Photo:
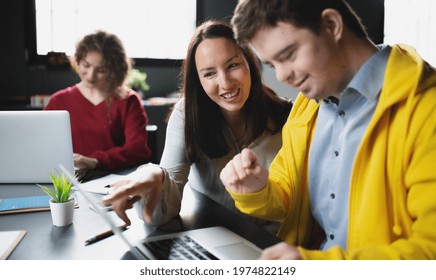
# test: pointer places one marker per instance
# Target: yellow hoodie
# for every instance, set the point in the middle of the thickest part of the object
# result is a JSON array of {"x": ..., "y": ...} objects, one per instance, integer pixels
[{"x": 392, "y": 209}]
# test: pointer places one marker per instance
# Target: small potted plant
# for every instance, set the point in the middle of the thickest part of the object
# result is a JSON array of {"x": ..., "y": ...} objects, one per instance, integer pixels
[
  {"x": 62, "y": 202},
  {"x": 137, "y": 81}
]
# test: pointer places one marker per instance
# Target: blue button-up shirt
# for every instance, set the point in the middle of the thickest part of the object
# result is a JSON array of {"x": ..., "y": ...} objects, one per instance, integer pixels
[{"x": 339, "y": 131}]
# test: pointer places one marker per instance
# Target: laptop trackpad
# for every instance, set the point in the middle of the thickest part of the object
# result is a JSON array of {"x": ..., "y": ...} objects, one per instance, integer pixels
[{"x": 238, "y": 251}]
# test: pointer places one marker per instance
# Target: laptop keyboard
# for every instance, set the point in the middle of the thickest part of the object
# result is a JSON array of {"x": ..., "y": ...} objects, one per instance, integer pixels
[{"x": 179, "y": 248}]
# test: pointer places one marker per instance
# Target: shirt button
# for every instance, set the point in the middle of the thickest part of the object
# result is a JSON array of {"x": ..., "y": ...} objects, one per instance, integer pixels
[
  {"x": 332, "y": 236},
  {"x": 336, "y": 153},
  {"x": 332, "y": 195},
  {"x": 341, "y": 113}
]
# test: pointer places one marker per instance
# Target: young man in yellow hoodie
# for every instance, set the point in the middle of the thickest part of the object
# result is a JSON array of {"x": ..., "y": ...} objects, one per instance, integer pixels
[{"x": 356, "y": 177}]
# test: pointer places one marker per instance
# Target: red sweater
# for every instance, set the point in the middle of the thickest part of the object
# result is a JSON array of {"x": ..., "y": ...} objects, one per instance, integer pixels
[{"x": 113, "y": 133}]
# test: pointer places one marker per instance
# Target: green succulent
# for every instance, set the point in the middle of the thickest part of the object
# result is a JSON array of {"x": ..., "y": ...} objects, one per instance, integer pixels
[{"x": 62, "y": 188}]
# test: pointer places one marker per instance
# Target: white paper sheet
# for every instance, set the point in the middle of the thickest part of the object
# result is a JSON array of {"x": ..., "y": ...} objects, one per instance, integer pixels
[{"x": 102, "y": 185}]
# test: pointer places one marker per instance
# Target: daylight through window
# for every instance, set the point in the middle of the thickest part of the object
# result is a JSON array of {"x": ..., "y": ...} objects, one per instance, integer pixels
[
  {"x": 412, "y": 22},
  {"x": 149, "y": 29}
]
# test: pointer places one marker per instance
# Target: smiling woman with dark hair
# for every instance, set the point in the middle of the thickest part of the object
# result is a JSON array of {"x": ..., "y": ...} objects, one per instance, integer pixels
[{"x": 224, "y": 108}]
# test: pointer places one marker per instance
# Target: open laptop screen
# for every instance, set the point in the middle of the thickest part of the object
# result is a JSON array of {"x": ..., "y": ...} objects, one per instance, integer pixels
[
  {"x": 33, "y": 144},
  {"x": 204, "y": 243}
]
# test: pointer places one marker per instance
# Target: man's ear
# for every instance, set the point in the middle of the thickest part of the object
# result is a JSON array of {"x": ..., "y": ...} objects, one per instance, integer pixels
[{"x": 333, "y": 23}]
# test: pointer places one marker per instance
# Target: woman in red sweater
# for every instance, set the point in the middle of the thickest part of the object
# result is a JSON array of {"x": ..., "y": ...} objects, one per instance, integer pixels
[{"x": 107, "y": 118}]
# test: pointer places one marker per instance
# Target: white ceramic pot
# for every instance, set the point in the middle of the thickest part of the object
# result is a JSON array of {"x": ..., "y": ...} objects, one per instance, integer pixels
[{"x": 62, "y": 214}]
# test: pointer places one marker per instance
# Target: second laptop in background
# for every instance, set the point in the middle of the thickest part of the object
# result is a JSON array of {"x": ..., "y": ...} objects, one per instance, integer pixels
[{"x": 33, "y": 144}]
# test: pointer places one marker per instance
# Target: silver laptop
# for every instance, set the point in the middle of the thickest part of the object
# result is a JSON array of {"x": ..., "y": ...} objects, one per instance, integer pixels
[
  {"x": 199, "y": 244},
  {"x": 33, "y": 144}
]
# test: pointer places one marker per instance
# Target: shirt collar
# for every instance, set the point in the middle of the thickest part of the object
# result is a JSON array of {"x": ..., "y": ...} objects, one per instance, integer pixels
[{"x": 369, "y": 79}]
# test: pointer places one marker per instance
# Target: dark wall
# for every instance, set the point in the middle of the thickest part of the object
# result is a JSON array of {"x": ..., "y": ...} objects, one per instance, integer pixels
[
  {"x": 13, "y": 76},
  {"x": 371, "y": 13},
  {"x": 20, "y": 80}
]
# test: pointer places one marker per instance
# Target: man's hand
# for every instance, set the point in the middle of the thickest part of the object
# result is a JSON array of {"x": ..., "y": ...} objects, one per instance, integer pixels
[
  {"x": 147, "y": 185},
  {"x": 281, "y": 251},
  {"x": 243, "y": 174}
]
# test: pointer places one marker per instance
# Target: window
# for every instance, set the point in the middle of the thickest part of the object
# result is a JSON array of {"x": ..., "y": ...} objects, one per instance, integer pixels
[
  {"x": 148, "y": 28},
  {"x": 412, "y": 22}
]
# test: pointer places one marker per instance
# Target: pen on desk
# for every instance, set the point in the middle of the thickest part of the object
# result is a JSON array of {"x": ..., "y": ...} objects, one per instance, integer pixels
[{"x": 103, "y": 235}]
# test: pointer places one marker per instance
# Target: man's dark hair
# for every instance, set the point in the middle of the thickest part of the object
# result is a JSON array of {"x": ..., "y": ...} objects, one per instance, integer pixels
[{"x": 251, "y": 15}]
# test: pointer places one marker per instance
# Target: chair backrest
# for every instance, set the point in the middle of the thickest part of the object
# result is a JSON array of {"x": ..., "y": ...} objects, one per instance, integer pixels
[{"x": 152, "y": 142}]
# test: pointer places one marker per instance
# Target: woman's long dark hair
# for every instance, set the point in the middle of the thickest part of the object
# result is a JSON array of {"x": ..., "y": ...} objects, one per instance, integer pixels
[{"x": 205, "y": 125}]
